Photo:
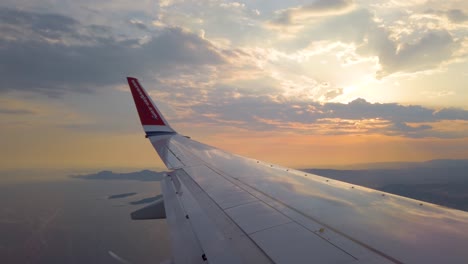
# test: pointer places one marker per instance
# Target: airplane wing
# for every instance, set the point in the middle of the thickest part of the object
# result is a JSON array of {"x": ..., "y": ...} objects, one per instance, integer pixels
[{"x": 225, "y": 208}]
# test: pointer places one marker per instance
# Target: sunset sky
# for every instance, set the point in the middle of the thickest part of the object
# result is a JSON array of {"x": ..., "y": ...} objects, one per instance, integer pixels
[{"x": 298, "y": 83}]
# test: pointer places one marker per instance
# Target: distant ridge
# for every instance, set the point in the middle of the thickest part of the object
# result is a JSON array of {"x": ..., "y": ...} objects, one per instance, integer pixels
[
  {"x": 452, "y": 163},
  {"x": 144, "y": 175},
  {"x": 441, "y": 181},
  {"x": 436, "y": 163}
]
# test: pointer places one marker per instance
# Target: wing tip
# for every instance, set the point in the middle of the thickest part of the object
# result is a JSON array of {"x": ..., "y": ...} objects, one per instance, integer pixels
[{"x": 151, "y": 119}]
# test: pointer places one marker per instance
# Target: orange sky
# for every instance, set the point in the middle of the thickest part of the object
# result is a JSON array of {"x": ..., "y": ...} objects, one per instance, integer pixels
[{"x": 59, "y": 148}]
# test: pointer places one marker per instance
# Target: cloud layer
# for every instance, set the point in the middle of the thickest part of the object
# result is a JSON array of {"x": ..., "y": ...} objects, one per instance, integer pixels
[
  {"x": 254, "y": 87},
  {"x": 357, "y": 117},
  {"x": 53, "y": 53}
]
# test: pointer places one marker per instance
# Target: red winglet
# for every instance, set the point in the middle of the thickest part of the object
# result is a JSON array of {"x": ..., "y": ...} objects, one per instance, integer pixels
[{"x": 149, "y": 114}]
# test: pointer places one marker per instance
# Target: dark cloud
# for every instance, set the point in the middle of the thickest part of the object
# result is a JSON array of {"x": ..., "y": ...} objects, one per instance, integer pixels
[
  {"x": 317, "y": 8},
  {"x": 457, "y": 15},
  {"x": 331, "y": 94},
  {"x": 139, "y": 24},
  {"x": 428, "y": 52},
  {"x": 451, "y": 114},
  {"x": 361, "y": 109},
  {"x": 358, "y": 116},
  {"x": 327, "y": 5},
  {"x": 61, "y": 54},
  {"x": 7, "y": 111},
  {"x": 399, "y": 128},
  {"x": 18, "y": 23}
]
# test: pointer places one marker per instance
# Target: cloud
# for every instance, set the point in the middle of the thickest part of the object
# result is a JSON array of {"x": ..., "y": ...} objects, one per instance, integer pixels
[
  {"x": 297, "y": 15},
  {"x": 409, "y": 45},
  {"x": 52, "y": 53},
  {"x": 412, "y": 44},
  {"x": 235, "y": 23}
]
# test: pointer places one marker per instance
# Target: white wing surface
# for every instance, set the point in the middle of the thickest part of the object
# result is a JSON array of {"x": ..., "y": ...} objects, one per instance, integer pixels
[{"x": 224, "y": 208}]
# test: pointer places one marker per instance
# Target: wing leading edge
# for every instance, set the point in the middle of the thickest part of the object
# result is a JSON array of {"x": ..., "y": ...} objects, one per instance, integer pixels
[{"x": 231, "y": 209}]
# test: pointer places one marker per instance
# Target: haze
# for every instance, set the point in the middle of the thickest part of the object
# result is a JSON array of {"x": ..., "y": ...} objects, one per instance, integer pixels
[{"x": 303, "y": 84}]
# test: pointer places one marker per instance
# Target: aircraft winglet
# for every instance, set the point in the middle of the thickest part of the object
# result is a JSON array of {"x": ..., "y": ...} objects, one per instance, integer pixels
[{"x": 151, "y": 118}]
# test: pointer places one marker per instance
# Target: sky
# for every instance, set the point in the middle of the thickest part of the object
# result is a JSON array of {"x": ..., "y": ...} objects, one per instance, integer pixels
[{"x": 298, "y": 83}]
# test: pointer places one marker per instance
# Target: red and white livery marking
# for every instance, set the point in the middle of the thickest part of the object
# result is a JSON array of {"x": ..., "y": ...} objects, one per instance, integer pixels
[{"x": 150, "y": 117}]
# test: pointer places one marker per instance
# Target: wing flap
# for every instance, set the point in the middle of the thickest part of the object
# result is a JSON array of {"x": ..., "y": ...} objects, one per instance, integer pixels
[
  {"x": 184, "y": 243},
  {"x": 155, "y": 210}
]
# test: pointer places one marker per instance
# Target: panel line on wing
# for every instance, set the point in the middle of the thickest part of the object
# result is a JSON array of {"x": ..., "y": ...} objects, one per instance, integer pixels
[
  {"x": 227, "y": 208},
  {"x": 317, "y": 221},
  {"x": 297, "y": 211},
  {"x": 248, "y": 250},
  {"x": 271, "y": 227},
  {"x": 176, "y": 156}
]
